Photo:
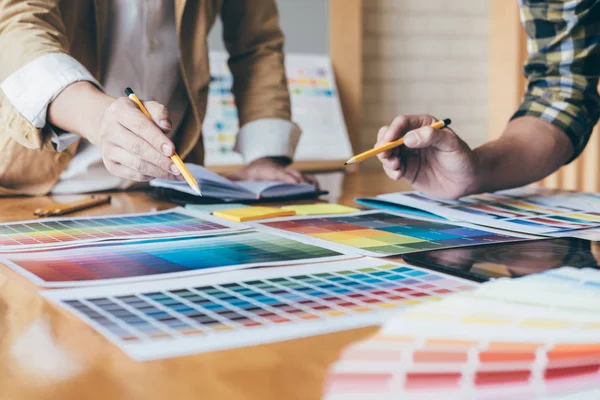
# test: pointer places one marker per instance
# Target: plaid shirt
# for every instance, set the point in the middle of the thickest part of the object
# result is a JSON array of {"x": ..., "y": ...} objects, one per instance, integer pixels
[{"x": 563, "y": 65}]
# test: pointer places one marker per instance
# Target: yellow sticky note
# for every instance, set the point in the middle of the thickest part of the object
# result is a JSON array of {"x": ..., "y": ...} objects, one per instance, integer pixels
[
  {"x": 252, "y": 213},
  {"x": 321, "y": 209}
]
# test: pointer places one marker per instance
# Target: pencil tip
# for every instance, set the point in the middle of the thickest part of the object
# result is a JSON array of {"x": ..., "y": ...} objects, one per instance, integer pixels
[
  {"x": 128, "y": 91},
  {"x": 196, "y": 189},
  {"x": 346, "y": 163}
]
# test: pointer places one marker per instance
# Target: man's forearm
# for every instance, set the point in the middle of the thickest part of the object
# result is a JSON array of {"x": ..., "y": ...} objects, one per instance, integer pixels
[
  {"x": 79, "y": 109},
  {"x": 528, "y": 150}
]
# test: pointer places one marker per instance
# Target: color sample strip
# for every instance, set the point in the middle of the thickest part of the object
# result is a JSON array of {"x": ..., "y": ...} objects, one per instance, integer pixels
[
  {"x": 146, "y": 259},
  {"x": 477, "y": 345},
  {"x": 377, "y": 233},
  {"x": 174, "y": 317},
  {"x": 55, "y": 232},
  {"x": 536, "y": 211}
]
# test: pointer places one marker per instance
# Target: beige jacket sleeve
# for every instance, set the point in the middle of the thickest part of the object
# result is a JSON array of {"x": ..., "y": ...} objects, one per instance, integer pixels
[
  {"x": 28, "y": 30},
  {"x": 255, "y": 44}
]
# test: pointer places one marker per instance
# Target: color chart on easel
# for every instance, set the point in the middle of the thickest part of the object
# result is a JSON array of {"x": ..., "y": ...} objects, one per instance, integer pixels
[
  {"x": 56, "y": 232},
  {"x": 315, "y": 107},
  {"x": 102, "y": 263},
  {"x": 175, "y": 317},
  {"x": 376, "y": 233},
  {"x": 535, "y": 211},
  {"x": 508, "y": 339}
]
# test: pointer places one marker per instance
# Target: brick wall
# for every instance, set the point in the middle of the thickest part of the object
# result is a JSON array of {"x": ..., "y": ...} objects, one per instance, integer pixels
[{"x": 426, "y": 56}]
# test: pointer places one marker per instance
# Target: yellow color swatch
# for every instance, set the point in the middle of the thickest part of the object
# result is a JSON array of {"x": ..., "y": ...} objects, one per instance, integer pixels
[
  {"x": 321, "y": 209},
  {"x": 252, "y": 213},
  {"x": 587, "y": 217}
]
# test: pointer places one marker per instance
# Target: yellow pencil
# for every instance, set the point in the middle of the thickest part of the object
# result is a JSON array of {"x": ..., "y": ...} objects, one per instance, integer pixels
[
  {"x": 373, "y": 152},
  {"x": 189, "y": 178}
]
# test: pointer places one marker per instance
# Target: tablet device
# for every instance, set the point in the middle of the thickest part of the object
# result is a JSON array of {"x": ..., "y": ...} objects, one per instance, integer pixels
[{"x": 482, "y": 263}]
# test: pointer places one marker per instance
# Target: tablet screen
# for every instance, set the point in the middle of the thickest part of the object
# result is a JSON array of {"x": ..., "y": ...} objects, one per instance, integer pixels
[{"x": 481, "y": 263}]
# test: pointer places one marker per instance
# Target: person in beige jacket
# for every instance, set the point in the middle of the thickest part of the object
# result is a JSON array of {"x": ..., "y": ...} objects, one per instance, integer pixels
[{"x": 65, "y": 125}]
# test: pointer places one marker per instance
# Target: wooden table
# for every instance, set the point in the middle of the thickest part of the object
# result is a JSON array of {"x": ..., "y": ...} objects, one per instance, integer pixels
[{"x": 48, "y": 354}]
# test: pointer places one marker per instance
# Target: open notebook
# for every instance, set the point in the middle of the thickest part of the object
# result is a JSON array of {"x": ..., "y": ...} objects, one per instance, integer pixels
[{"x": 215, "y": 186}]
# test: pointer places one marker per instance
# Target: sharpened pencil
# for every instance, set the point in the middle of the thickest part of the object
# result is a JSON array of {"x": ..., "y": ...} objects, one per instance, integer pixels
[
  {"x": 189, "y": 178},
  {"x": 373, "y": 152}
]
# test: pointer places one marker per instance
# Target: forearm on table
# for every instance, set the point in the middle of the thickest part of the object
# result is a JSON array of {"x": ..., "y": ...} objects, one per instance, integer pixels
[
  {"x": 528, "y": 150},
  {"x": 79, "y": 109}
]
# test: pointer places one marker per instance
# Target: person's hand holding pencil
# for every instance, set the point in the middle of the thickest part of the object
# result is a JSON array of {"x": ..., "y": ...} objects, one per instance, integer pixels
[
  {"x": 433, "y": 160},
  {"x": 132, "y": 146}
]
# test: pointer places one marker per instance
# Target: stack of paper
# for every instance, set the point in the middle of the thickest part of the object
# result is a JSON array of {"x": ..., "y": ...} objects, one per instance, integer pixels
[
  {"x": 528, "y": 210},
  {"x": 521, "y": 338}
]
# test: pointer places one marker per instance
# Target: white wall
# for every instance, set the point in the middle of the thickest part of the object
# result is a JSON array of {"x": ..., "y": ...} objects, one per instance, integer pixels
[
  {"x": 305, "y": 24},
  {"x": 426, "y": 56}
]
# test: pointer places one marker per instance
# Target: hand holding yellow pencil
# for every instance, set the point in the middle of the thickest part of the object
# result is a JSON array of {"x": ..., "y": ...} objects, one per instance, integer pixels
[
  {"x": 189, "y": 178},
  {"x": 373, "y": 152}
]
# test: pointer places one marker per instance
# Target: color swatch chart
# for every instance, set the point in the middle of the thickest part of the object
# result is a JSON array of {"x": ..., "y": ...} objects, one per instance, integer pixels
[
  {"x": 535, "y": 211},
  {"x": 490, "y": 347},
  {"x": 315, "y": 108},
  {"x": 54, "y": 232},
  {"x": 175, "y": 317},
  {"x": 102, "y": 263},
  {"x": 377, "y": 233}
]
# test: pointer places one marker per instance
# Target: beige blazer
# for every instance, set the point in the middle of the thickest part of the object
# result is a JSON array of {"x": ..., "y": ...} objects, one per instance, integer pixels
[{"x": 28, "y": 162}]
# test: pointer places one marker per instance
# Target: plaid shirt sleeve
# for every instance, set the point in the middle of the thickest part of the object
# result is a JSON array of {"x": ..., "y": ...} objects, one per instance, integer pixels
[{"x": 563, "y": 65}]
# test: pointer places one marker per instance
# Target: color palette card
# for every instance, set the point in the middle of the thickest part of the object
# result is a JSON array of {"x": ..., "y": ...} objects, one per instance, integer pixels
[
  {"x": 321, "y": 209},
  {"x": 252, "y": 213},
  {"x": 479, "y": 345},
  {"x": 102, "y": 263},
  {"x": 56, "y": 232},
  {"x": 377, "y": 233},
  {"x": 315, "y": 105},
  {"x": 528, "y": 210},
  {"x": 175, "y": 317}
]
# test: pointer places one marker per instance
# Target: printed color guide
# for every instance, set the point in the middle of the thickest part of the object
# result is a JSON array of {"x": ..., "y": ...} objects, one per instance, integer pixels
[
  {"x": 315, "y": 106},
  {"x": 52, "y": 232},
  {"x": 535, "y": 211},
  {"x": 145, "y": 259},
  {"x": 378, "y": 233},
  {"x": 507, "y": 339},
  {"x": 175, "y": 317}
]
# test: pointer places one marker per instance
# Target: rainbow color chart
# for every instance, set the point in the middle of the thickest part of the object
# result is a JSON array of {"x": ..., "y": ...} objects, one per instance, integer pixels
[
  {"x": 315, "y": 108},
  {"x": 528, "y": 210},
  {"x": 55, "y": 232},
  {"x": 102, "y": 263},
  {"x": 508, "y": 339},
  {"x": 152, "y": 320},
  {"x": 377, "y": 233}
]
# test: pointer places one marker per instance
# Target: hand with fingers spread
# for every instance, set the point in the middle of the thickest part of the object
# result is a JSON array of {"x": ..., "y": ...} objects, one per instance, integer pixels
[
  {"x": 434, "y": 161},
  {"x": 134, "y": 147},
  {"x": 271, "y": 169}
]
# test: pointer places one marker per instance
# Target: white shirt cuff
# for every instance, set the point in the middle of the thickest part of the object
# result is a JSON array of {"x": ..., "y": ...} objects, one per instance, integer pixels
[
  {"x": 32, "y": 87},
  {"x": 267, "y": 137},
  {"x": 62, "y": 141}
]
